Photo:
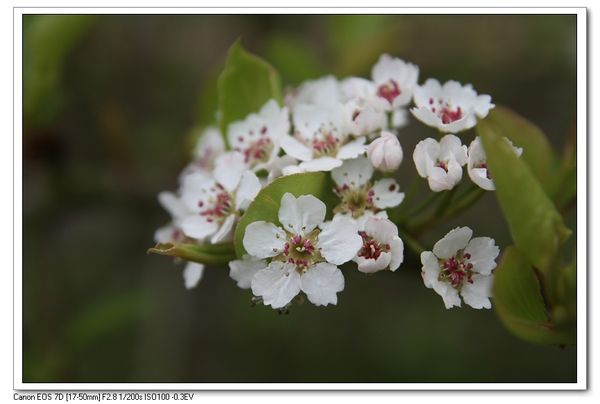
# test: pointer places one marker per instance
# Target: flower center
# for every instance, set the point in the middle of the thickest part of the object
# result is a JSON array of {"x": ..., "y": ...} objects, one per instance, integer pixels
[
  {"x": 456, "y": 270},
  {"x": 442, "y": 164},
  {"x": 301, "y": 250},
  {"x": 389, "y": 91},
  {"x": 328, "y": 145},
  {"x": 445, "y": 111},
  {"x": 483, "y": 164},
  {"x": 371, "y": 249},
  {"x": 221, "y": 205},
  {"x": 258, "y": 151},
  {"x": 355, "y": 201}
]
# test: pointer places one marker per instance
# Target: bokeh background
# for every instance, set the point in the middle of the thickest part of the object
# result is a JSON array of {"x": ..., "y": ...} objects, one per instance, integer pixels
[{"x": 111, "y": 107}]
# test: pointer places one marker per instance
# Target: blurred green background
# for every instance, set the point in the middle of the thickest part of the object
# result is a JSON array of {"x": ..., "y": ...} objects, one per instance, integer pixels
[{"x": 109, "y": 107}]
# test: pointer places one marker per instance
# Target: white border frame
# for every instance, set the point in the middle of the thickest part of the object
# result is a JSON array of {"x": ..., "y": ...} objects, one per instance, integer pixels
[{"x": 582, "y": 262}]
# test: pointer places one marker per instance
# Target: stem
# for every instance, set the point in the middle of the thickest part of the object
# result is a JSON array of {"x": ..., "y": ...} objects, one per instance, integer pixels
[{"x": 412, "y": 243}]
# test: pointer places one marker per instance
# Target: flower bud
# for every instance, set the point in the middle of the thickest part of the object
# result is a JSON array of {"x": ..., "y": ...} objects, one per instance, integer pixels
[{"x": 385, "y": 152}]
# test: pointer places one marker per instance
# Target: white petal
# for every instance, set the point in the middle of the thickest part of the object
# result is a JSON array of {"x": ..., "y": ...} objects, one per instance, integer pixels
[
  {"x": 354, "y": 173},
  {"x": 210, "y": 144},
  {"x": 247, "y": 191},
  {"x": 242, "y": 271},
  {"x": 295, "y": 148},
  {"x": 352, "y": 149},
  {"x": 192, "y": 273},
  {"x": 224, "y": 233},
  {"x": 228, "y": 170},
  {"x": 387, "y": 194},
  {"x": 483, "y": 252},
  {"x": 319, "y": 164},
  {"x": 382, "y": 230},
  {"x": 301, "y": 215},
  {"x": 277, "y": 284},
  {"x": 430, "y": 269},
  {"x": 165, "y": 234},
  {"x": 397, "y": 250},
  {"x": 339, "y": 240},
  {"x": 425, "y": 155},
  {"x": 425, "y": 115},
  {"x": 264, "y": 240},
  {"x": 449, "y": 295},
  {"x": 455, "y": 240},
  {"x": 451, "y": 145},
  {"x": 482, "y": 105},
  {"x": 197, "y": 226},
  {"x": 480, "y": 177},
  {"x": 321, "y": 283},
  {"x": 477, "y": 294},
  {"x": 173, "y": 205},
  {"x": 370, "y": 265},
  {"x": 196, "y": 187}
]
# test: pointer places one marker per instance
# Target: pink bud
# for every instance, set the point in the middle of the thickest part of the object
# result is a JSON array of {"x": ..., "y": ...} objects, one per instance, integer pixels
[{"x": 385, "y": 152}]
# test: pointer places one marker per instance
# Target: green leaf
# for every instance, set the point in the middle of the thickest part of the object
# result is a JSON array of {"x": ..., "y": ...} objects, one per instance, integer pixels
[
  {"x": 519, "y": 304},
  {"x": 294, "y": 58},
  {"x": 266, "y": 204},
  {"x": 245, "y": 85},
  {"x": 536, "y": 227},
  {"x": 210, "y": 254},
  {"x": 537, "y": 152}
]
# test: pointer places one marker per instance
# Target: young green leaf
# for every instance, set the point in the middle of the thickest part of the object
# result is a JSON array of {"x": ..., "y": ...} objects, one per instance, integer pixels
[
  {"x": 266, "y": 204},
  {"x": 536, "y": 227},
  {"x": 519, "y": 303},
  {"x": 537, "y": 152},
  {"x": 245, "y": 85},
  {"x": 210, "y": 254}
]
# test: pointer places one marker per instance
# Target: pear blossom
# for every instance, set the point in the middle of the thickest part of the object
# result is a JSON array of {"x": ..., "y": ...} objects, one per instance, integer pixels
[
  {"x": 358, "y": 194},
  {"x": 461, "y": 265},
  {"x": 242, "y": 271},
  {"x": 385, "y": 152},
  {"x": 171, "y": 233},
  {"x": 216, "y": 201},
  {"x": 440, "y": 162},
  {"x": 325, "y": 91},
  {"x": 320, "y": 142},
  {"x": 258, "y": 136},
  {"x": 395, "y": 80},
  {"x": 477, "y": 164},
  {"x": 304, "y": 253},
  {"x": 208, "y": 147},
  {"x": 452, "y": 107},
  {"x": 381, "y": 246}
]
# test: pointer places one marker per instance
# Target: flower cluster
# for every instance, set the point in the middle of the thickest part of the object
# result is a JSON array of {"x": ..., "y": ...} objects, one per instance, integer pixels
[{"x": 349, "y": 129}]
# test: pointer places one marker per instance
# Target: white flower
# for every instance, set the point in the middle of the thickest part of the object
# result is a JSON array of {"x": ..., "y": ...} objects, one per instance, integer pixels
[
  {"x": 382, "y": 248},
  {"x": 192, "y": 274},
  {"x": 324, "y": 91},
  {"x": 358, "y": 195},
  {"x": 320, "y": 142},
  {"x": 385, "y": 152},
  {"x": 441, "y": 163},
  {"x": 216, "y": 201},
  {"x": 459, "y": 266},
  {"x": 208, "y": 147},
  {"x": 258, "y": 136},
  {"x": 477, "y": 164},
  {"x": 172, "y": 232},
  {"x": 305, "y": 252},
  {"x": 242, "y": 271},
  {"x": 395, "y": 80},
  {"x": 451, "y": 108}
]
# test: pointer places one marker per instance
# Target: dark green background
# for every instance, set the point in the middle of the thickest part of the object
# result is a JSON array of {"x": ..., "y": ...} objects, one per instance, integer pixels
[{"x": 109, "y": 105}]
